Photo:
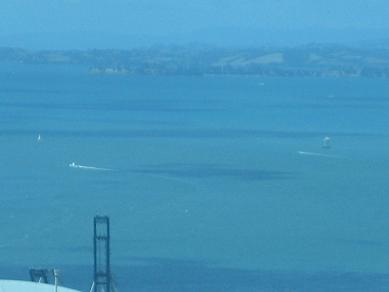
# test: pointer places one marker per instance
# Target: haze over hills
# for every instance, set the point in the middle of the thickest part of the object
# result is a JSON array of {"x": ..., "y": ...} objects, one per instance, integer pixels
[
  {"x": 369, "y": 59},
  {"x": 237, "y": 37},
  {"x": 231, "y": 37}
]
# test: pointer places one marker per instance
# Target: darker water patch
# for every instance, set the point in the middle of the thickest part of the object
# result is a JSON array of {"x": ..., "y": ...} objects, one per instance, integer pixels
[
  {"x": 201, "y": 171},
  {"x": 29, "y": 91},
  {"x": 363, "y": 243},
  {"x": 320, "y": 106},
  {"x": 369, "y": 99}
]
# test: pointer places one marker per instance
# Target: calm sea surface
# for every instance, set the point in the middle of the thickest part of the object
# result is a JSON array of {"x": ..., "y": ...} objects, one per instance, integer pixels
[{"x": 207, "y": 190}]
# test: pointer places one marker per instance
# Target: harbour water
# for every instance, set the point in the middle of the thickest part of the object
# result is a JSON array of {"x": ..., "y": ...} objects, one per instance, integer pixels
[{"x": 204, "y": 179}]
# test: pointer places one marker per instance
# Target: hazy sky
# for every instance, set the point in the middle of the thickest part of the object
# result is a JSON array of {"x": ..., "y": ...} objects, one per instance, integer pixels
[{"x": 110, "y": 23}]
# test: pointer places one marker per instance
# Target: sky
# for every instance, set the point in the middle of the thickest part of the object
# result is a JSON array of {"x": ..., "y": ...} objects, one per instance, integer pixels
[{"x": 131, "y": 23}]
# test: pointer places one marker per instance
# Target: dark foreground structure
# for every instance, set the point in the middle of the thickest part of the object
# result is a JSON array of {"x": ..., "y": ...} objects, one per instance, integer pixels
[{"x": 40, "y": 279}]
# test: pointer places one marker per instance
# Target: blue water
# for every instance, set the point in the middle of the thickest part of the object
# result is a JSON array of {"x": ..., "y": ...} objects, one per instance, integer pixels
[{"x": 207, "y": 190}]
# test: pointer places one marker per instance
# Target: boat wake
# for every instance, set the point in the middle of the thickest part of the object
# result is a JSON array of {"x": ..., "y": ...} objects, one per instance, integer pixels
[
  {"x": 316, "y": 154},
  {"x": 85, "y": 167}
]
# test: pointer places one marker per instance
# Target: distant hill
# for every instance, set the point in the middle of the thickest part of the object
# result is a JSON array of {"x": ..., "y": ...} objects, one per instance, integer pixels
[{"x": 309, "y": 60}]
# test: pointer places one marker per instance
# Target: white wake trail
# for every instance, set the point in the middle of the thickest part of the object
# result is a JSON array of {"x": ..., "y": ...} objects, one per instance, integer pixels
[{"x": 85, "y": 167}]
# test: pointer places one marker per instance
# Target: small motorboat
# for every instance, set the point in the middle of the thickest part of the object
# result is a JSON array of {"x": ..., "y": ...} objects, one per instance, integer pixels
[
  {"x": 326, "y": 143},
  {"x": 74, "y": 165}
]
